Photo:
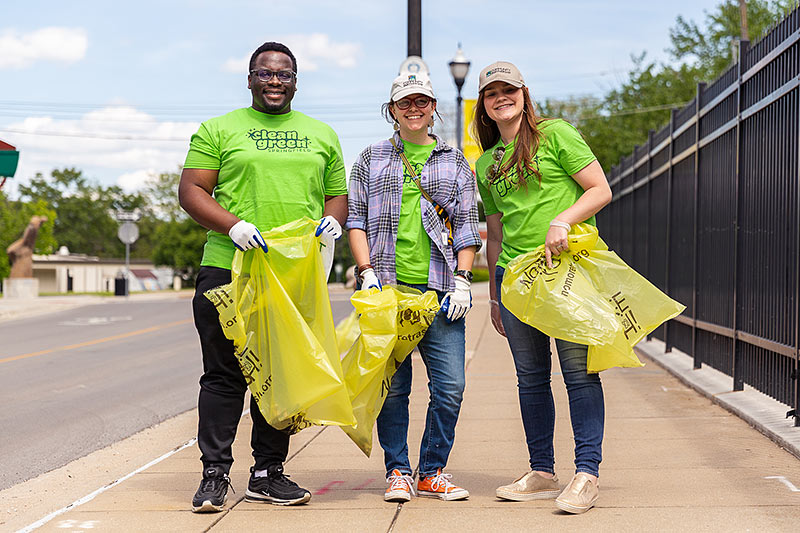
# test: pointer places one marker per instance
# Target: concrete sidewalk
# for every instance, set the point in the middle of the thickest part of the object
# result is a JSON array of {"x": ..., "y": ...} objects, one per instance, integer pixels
[{"x": 673, "y": 461}]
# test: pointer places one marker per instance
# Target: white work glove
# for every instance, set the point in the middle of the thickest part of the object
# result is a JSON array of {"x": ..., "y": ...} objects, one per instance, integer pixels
[
  {"x": 330, "y": 226},
  {"x": 369, "y": 280},
  {"x": 246, "y": 236},
  {"x": 458, "y": 303}
]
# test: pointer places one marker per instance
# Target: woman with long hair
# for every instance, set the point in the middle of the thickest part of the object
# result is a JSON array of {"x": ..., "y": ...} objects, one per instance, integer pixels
[
  {"x": 537, "y": 177},
  {"x": 413, "y": 220}
]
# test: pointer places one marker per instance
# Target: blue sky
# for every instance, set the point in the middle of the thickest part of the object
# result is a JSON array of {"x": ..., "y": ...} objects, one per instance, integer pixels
[{"x": 117, "y": 89}]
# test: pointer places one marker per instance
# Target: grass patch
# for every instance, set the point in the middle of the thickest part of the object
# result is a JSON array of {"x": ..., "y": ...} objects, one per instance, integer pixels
[{"x": 480, "y": 274}]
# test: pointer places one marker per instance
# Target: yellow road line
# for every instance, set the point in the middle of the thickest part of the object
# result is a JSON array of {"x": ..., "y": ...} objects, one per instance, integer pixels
[{"x": 96, "y": 341}]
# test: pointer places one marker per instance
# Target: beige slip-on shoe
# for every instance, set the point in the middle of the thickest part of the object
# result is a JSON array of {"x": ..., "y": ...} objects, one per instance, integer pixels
[
  {"x": 530, "y": 486},
  {"x": 579, "y": 496}
]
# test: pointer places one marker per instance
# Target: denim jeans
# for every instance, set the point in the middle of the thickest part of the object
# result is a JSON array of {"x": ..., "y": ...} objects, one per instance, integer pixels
[
  {"x": 442, "y": 350},
  {"x": 531, "y": 351}
]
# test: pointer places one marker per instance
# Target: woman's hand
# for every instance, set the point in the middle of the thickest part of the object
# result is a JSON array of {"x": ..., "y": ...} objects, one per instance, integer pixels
[
  {"x": 497, "y": 321},
  {"x": 555, "y": 243}
]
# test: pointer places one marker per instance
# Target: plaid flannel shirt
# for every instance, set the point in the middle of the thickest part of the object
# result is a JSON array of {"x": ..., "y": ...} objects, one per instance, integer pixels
[{"x": 374, "y": 197}]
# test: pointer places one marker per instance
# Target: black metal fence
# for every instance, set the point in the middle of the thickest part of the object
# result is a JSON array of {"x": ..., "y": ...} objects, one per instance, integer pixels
[{"x": 709, "y": 211}]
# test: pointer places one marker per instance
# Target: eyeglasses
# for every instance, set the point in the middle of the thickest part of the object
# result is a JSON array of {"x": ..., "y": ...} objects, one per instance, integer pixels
[
  {"x": 421, "y": 102},
  {"x": 284, "y": 76},
  {"x": 493, "y": 171}
]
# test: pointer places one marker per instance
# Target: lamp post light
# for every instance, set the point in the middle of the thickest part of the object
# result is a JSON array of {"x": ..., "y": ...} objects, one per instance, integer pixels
[{"x": 459, "y": 67}]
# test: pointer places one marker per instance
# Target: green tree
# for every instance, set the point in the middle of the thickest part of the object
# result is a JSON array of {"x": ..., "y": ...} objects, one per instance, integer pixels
[
  {"x": 180, "y": 246},
  {"x": 621, "y": 119},
  {"x": 83, "y": 211},
  {"x": 711, "y": 47},
  {"x": 161, "y": 192},
  {"x": 179, "y": 239},
  {"x": 14, "y": 217}
]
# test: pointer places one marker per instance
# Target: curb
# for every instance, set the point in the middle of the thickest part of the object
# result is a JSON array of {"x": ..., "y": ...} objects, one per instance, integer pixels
[{"x": 765, "y": 414}]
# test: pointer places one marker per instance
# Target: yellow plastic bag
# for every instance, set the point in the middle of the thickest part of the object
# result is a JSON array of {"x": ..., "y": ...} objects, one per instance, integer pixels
[
  {"x": 347, "y": 332},
  {"x": 276, "y": 311},
  {"x": 590, "y": 296},
  {"x": 392, "y": 322}
]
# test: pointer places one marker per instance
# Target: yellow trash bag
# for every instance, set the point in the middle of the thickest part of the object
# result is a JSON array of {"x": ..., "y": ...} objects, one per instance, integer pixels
[
  {"x": 347, "y": 332},
  {"x": 392, "y": 322},
  {"x": 590, "y": 296},
  {"x": 276, "y": 311}
]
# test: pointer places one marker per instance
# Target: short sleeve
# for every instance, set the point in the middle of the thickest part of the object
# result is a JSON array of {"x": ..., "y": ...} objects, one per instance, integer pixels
[
  {"x": 204, "y": 151},
  {"x": 573, "y": 152},
  {"x": 335, "y": 176},
  {"x": 489, "y": 207}
]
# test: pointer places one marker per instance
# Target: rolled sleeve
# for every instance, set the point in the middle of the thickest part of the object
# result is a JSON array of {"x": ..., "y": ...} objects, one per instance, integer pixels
[
  {"x": 465, "y": 221},
  {"x": 358, "y": 194}
]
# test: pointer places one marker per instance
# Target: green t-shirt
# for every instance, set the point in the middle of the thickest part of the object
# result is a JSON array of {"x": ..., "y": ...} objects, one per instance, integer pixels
[
  {"x": 527, "y": 211},
  {"x": 272, "y": 169},
  {"x": 413, "y": 248}
]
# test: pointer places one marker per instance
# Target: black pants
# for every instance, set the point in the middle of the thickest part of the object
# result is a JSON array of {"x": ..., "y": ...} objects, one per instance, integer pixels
[{"x": 222, "y": 389}]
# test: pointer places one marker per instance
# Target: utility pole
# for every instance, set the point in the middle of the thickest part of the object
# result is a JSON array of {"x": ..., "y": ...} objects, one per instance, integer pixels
[
  {"x": 743, "y": 14},
  {"x": 414, "y": 28}
]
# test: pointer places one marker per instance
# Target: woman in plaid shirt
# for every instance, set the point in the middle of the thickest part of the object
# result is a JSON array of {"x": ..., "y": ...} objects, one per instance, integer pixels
[{"x": 398, "y": 237}]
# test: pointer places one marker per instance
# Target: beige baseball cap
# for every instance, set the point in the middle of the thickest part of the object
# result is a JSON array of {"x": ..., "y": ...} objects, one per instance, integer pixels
[
  {"x": 408, "y": 83},
  {"x": 500, "y": 71}
]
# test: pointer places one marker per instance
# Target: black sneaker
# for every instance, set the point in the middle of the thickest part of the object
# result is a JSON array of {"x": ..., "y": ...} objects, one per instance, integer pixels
[
  {"x": 276, "y": 488},
  {"x": 213, "y": 491}
]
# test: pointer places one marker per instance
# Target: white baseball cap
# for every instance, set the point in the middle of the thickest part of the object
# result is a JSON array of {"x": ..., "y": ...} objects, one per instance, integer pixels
[
  {"x": 411, "y": 83},
  {"x": 500, "y": 71}
]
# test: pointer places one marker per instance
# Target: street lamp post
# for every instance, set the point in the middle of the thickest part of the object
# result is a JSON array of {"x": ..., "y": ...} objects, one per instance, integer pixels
[{"x": 459, "y": 67}]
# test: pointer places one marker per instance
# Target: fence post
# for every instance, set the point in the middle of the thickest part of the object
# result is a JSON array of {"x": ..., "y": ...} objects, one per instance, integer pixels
[
  {"x": 700, "y": 88},
  {"x": 648, "y": 271},
  {"x": 667, "y": 340},
  {"x": 797, "y": 285},
  {"x": 738, "y": 382},
  {"x": 649, "y": 163}
]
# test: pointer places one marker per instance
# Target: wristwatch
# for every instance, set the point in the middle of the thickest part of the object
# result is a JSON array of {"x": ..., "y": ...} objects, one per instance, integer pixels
[{"x": 466, "y": 274}]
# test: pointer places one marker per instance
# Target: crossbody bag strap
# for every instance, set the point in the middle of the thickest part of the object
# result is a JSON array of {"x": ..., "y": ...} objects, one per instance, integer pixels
[{"x": 413, "y": 174}]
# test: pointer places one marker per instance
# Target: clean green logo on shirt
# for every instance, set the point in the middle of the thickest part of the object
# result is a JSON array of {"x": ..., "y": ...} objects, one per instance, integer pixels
[
  {"x": 509, "y": 182},
  {"x": 279, "y": 140}
]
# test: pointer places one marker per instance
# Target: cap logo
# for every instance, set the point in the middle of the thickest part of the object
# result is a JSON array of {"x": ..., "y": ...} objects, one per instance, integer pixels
[
  {"x": 412, "y": 77},
  {"x": 497, "y": 70}
]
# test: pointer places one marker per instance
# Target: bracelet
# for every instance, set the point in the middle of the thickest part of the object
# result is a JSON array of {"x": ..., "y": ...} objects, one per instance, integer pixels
[
  {"x": 561, "y": 224},
  {"x": 360, "y": 270}
]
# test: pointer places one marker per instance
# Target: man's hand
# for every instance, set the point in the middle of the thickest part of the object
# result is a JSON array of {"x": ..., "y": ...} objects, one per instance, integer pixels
[
  {"x": 459, "y": 302},
  {"x": 330, "y": 226},
  {"x": 246, "y": 236},
  {"x": 497, "y": 320},
  {"x": 369, "y": 280}
]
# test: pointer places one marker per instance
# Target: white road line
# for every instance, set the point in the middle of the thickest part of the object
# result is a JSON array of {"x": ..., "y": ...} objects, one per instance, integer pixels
[
  {"x": 785, "y": 481},
  {"x": 93, "y": 495}
]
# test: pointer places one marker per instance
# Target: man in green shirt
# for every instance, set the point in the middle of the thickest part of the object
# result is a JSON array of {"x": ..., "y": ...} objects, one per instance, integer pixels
[{"x": 252, "y": 169}]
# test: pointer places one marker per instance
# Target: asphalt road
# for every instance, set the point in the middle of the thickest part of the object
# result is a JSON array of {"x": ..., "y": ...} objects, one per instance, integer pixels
[{"x": 77, "y": 381}]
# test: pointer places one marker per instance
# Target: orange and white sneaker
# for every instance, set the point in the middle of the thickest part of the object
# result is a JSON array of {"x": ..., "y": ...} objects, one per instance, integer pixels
[
  {"x": 401, "y": 487},
  {"x": 439, "y": 486}
]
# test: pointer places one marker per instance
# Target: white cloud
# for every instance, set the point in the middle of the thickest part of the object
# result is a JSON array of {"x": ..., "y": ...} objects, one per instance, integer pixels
[
  {"x": 312, "y": 51},
  {"x": 133, "y": 181},
  {"x": 117, "y": 144},
  {"x": 20, "y": 50}
]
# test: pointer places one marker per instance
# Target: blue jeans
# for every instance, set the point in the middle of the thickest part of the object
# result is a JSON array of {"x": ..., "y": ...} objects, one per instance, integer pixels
[
  {"x": 442, "y": 350},
  {"x": 531, "y": 351}
]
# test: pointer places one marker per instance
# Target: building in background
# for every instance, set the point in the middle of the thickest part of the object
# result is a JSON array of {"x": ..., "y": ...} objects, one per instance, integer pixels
[{"x": 65, "y": 272}]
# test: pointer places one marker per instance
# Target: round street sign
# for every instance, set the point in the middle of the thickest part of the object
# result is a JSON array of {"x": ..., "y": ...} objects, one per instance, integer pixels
[
  {"x": 412, "y": 65},
  {"x": 128, "y": 233}
]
